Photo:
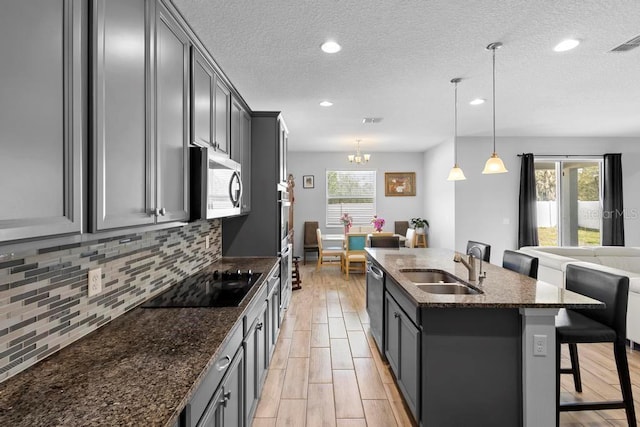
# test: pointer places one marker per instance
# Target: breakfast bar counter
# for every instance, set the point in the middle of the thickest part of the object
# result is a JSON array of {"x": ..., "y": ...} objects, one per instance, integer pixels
[{"x": 483, "y": 358}]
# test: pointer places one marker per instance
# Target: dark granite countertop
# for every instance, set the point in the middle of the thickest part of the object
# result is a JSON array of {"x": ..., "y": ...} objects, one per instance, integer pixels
[
  {"x": 502, "y": 288},
  {"x": 138, "y": 370}
]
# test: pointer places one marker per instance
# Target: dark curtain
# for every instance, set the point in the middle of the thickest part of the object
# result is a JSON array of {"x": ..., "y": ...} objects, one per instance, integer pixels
[
  {"x": 527, "y": 220},
  {"x": 613, "y": 214}
]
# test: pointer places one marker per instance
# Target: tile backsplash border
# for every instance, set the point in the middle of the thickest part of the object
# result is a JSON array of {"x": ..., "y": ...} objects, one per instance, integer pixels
[{"x": 44, "y": 304}]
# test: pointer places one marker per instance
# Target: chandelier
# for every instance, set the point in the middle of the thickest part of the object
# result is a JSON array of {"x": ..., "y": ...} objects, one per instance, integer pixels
[{"x": 359, "y": 158}]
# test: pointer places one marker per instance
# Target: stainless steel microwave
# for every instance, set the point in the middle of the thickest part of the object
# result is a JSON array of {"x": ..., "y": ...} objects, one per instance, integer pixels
[{"x": 216, "y": 184}]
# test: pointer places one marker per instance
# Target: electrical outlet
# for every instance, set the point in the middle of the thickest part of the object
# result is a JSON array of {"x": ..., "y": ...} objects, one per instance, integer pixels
[
  {"x": 539, "y": 345},
  {"x": 95, "y": 281},
  {"x": 207, "y": 242}
]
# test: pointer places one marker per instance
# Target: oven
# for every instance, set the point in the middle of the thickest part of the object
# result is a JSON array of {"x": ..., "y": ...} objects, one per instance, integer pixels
[{"x": 284, "y": 205}]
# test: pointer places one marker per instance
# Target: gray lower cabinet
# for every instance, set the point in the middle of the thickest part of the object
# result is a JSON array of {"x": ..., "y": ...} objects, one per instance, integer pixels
[
  {"x": 256, "y": 342},
  {"x": 41, "y": 117},
  {"x": 140, "y": 115},
  {"x": 402, "y": 349},
  {"x": 274, "y": 316},
  {"x": 226, "y": 406}
]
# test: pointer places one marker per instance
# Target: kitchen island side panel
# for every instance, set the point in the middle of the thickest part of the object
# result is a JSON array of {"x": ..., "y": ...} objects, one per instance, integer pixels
[{"x": 482, "y": 382}]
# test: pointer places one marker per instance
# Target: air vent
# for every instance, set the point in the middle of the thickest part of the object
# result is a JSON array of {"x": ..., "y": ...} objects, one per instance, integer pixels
[
  {"x": 372, "y": 120},
  {"x": 628, "y": 45}
]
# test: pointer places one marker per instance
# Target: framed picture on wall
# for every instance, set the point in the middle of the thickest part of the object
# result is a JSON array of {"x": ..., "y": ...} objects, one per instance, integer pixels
[
  {"x": 307, "y": 181},
  {"x": 399, "y": 183}
]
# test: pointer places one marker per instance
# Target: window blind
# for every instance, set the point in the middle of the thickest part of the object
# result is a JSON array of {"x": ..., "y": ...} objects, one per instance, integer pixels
[{"x": 352, "y": 192}]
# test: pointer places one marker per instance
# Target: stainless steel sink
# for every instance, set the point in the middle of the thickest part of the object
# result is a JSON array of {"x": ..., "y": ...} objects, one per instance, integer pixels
[
  {"x": 438, "y": 282},
  {"x": 448, "y": 289},
  {"x": 429, "y": 276}
]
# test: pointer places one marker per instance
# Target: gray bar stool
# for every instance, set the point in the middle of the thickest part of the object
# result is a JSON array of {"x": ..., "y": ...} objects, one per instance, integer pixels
[{"x": 592, "y": 326}]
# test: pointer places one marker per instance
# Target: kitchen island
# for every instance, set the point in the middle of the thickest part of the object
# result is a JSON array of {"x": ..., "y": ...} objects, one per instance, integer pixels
[{"x": 467, "y": 359}]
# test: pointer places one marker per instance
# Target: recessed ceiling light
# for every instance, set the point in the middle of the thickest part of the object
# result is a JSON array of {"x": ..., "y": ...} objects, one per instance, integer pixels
[
  {"x": 326, "y": 103},
  {"x": 330, "y": 47},
  {"x": 477, "y": 101},
  {"x": 566, "y": 45}
]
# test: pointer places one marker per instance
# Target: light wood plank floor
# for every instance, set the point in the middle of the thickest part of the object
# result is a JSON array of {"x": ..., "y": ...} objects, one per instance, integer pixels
[{"x": 326, "y": 370}]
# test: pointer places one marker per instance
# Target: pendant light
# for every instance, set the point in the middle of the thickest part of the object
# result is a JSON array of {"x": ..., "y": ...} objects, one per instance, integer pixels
[
  {"x": 455, "y": 174},
  {"x": 358, "y": 158},
  {"x": 494, "y": 164}
]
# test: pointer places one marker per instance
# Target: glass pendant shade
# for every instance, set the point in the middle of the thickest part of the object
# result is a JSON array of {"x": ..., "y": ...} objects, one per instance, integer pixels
[
  {"x": 494, "y": 165},
  {"x": 456, "y": 174}
]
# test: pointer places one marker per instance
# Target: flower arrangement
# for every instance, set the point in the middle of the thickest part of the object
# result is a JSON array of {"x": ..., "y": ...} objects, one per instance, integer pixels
[
  {"x": 346, "y": 220},
  {"x": 378, "y": 223}
]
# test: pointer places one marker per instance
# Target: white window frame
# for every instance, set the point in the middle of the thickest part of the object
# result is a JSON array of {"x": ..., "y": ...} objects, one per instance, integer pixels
[{"x": 361, "y": 216}]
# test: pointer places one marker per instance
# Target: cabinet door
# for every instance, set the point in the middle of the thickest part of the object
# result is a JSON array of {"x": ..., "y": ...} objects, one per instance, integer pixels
[
  {"x": 213, "y": 416},
  {"x": 222, "y": 117},
  {"x": 172, "y": 130},
  {"x": 202, "y": 93},
  {"x": 236, "y": 131},
  {"x": 274, "y": 318},
  {"x": 392, "y": 333},
  {"x": 402, "y": 348},
  {"x": 246, "y": 162},
  {"x": 256, "y": 343},
  {"x": 409, "y": 375},
  {"x": 41, "y": 118},
  {"x": 233, "y": 386},
  {"x": 122, "y": 168}
]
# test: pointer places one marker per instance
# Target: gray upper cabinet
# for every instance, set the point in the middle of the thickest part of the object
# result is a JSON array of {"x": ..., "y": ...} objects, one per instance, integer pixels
[
  {"x": 222, "y": 117},
  {"x": 172, "y": 117},
  {"x": 241, "y": 149},
  {"x": 140, "y": 115},
  {"x": 41, "y": 117},
  {"x": 202, "y": 97},
  {"x": 123, "y": 170}
]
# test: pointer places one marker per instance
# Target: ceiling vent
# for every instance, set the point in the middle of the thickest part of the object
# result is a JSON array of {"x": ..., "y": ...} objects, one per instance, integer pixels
[
  {"x": 628, "y": 45},
  {"x": 372, "y": 120}
]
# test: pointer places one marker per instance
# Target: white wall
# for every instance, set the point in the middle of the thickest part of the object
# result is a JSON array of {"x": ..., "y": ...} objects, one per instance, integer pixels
[
  {"x": 486, "y": 206},
  {"x": 310, "y": 203},
  {"x": 440, "y": 203}
]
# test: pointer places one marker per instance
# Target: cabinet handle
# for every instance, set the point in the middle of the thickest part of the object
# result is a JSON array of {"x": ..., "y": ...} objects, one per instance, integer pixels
[
  {"x": 259, "y": 326},
  {"x": 396, "y": 314},
  {"x": 221, "y": 366},
  {"x": 156, "y": 211},
  {"x": 163, "y": 211},
  {"x": 225, "y": 398}
]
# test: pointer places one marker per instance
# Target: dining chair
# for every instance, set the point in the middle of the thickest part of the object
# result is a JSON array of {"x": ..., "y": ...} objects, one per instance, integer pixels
[
  {"x": 327, "y": 257},
  {"x": 400, "y": 227},
  {"x": 310, "y": 239},
  {"x": 484, "y": 248},
  {"x": 354, "y": 252},
  {"x": 577, "y": 326},
  {"x": 376, "y": 241},
  {"x": 410, "y": 238},
  {"x": 520, "y": 263}
]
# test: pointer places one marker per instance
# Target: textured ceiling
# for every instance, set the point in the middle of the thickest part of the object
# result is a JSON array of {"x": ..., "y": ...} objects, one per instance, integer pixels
[{"x": 398, "y": 57}]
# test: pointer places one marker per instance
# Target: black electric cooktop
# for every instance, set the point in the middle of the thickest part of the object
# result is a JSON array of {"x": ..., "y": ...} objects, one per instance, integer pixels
[{"x": 206, "y": 289}]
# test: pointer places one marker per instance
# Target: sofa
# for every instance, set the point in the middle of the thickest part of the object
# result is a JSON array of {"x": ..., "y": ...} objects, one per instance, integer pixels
[{"x": 553, "y": 261}]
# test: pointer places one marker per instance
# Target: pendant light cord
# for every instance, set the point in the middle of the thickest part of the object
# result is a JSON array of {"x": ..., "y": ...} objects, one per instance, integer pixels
[
  {"x": 493, "y": 102},
  {"x": 455, "y": 125}
]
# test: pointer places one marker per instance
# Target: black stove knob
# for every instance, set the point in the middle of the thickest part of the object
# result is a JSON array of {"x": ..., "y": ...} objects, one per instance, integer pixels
[{"x": 216, "y": 275}]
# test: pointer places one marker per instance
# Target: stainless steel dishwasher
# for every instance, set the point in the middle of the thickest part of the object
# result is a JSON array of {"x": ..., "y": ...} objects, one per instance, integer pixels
[{"x": 375, "y": 303}]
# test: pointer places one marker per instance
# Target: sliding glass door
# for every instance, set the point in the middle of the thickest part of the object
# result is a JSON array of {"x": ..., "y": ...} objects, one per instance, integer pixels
[{"x": 569, "y": 194}]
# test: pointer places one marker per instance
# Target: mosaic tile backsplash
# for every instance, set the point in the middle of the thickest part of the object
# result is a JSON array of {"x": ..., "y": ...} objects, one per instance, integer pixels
[{"x": 44, "y": 304}]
